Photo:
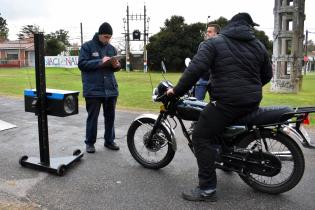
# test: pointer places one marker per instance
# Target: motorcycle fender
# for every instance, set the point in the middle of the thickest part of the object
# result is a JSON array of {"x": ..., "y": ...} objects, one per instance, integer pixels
[
  {"x": 294, "y": 134},
  {"x": 165, "y": 124}
]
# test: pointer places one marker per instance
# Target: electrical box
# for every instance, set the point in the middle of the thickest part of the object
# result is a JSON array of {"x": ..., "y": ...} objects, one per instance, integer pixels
[
  {"x": 59, "y": 103},
  {"x": 136, "y": 35}
]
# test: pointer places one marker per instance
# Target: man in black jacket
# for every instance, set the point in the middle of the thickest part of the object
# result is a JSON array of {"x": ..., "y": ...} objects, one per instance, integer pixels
[{"x": 239, "y": 67}]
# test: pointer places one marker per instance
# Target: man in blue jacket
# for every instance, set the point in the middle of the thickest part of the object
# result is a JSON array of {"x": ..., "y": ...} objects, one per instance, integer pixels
[{"x": 99, "y": 85}]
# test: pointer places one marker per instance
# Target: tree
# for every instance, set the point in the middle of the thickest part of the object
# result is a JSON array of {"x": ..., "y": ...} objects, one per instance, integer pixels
[
  {"x": 54, "y": 47},
  {"x": 265, "y": 40},
  {"x": 221, "y": 21},
  {"x": 177, "y": 40},
  {"x": 28, "y": 31},
  {"x": 56, "y": 42},
  {"x": 4, "y": 31},
  {"x": 174, "y": 43},
  {"x": 61, "y": 35},
  {"x": 310, "y": 46}
]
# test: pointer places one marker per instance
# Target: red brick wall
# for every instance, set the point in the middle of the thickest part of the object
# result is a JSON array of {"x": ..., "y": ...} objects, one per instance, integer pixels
[
  {"x": 2, "y": 54},
  {"x": 22, "y": 57}
]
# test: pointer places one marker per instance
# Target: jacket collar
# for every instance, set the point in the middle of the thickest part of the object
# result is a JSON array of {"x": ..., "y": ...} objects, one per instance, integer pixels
[{"x": 96, "y": 39}]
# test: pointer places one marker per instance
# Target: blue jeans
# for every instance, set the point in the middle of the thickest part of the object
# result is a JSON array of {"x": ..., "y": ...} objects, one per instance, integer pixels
[
  {"x": 201, "y": 89},
  {"x": 93, "y": 106}
]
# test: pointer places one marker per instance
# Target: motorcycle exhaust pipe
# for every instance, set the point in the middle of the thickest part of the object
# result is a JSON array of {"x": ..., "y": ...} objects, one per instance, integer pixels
[{"x": 283, "y": 156}]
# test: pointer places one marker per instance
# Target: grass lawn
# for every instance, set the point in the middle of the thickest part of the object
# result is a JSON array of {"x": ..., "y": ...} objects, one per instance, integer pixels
[{"x": 134, "y": 87}]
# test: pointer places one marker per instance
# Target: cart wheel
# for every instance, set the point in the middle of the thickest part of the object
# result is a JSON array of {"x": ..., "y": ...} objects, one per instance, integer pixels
[
  {"x": 76, "y": 152},
  {"x": 22, "y": 160},
  {"x": 61, "y": 170}
]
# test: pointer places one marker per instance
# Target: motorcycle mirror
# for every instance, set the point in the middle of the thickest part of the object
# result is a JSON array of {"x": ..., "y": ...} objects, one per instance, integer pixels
[
  {"x": 187, "y": 61},
  {"x": 163, "y": 67}
]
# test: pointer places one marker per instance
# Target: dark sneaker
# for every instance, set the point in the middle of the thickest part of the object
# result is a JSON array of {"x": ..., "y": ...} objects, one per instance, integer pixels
[
  {"x": 90, "y": 149},
  {"x": 200, "y": 195},
  {"x": 112, "y": 146}
]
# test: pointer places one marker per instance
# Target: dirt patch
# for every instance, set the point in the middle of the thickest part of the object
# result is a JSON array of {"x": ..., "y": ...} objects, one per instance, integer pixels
[{"x": 15, "y": 204}]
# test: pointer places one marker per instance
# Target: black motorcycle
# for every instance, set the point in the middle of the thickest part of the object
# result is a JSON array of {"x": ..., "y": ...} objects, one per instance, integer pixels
[{"x": 261, "y": 147}]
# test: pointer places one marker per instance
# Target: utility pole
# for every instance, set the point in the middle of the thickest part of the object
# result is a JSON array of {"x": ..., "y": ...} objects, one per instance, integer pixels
[
  {"x": 205, "y": 33},
  {"x": 136, "y": 36},
  {"x": 207, "y": 22},
  {"x": 81, "y": 31},
  {"x": 127, "y": 43},
  {"x": 145, "y": 43},
  {"x": 305, "y": 52},
  {"x": 306, "y": 41}
]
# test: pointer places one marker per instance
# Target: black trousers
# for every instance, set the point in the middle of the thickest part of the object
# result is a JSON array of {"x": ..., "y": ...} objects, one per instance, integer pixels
[
  {"x": 93, "y": 106},
  {"x": 211, "y": 122}
]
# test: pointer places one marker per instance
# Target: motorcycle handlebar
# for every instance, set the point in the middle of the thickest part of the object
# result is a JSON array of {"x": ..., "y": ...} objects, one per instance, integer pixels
[
  {"x": 159, "y": 98},
  {"x": 164, "y": 96}
]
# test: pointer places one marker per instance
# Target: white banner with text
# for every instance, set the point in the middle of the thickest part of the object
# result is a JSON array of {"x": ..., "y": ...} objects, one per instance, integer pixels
[{"x": 61, "y": 61}]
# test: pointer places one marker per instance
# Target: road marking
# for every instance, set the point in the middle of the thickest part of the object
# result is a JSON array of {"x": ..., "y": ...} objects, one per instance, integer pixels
[{"x": 4, "y": 125}]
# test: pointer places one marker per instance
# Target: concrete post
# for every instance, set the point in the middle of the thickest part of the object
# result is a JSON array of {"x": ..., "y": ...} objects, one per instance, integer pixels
[{"x": 288, "y": 45}]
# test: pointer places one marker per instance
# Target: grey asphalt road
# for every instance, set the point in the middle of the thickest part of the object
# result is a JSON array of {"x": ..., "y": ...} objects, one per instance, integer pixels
[{"x": 113, "y": 180}]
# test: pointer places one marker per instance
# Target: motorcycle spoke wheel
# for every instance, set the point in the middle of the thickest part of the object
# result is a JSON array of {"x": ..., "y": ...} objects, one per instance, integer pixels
[
  {"x": 290, "y": 155},
  {"x": 287, "y": 165},
  {"x": 152, "y": 153}
]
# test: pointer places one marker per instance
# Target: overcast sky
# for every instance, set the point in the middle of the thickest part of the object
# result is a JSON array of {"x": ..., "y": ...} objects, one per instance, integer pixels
[{"x": 67, "y": 14}]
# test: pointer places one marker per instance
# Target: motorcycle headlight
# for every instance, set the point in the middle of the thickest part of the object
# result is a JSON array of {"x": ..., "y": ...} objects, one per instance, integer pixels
[
  {"x": 155, "y": 94},
  {"x": 163, "y": 87}
]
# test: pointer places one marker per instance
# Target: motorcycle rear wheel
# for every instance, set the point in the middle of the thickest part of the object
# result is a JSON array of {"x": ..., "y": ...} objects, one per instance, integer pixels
[
  {"x": 292, "y": 161},
  {"x": 154, "y": 154}
]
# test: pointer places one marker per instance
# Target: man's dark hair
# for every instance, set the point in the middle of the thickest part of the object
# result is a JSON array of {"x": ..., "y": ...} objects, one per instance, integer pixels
[{"x": 216, "y": 26}]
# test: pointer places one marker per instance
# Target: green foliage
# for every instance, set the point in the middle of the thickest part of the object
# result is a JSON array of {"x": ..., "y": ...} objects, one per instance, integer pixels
[
  {"x": 74, "y": 52},
  {"x": 28, "y": 31},
  {"x": 310, "y": 46},
  {"x": 4, "y": 30},
  {"x": 56, "y": 42},
  {"x": 60, "y": 35},
  {"x": 54, "y": 47},
  {"x": 177, "y": 41},
  {"x": 221, "y": 21},
  {"x": 174, "y": 43},
  {"x": 265, "y": 40}
]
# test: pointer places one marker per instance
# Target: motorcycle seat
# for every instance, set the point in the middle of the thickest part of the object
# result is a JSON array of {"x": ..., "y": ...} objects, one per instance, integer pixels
[{"x": 266, "y": 115}]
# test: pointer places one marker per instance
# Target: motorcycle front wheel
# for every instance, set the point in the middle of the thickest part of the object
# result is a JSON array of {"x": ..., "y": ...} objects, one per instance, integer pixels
[
  {"x": 287, "y": 151},
  {"x": 154, "y": 153}
]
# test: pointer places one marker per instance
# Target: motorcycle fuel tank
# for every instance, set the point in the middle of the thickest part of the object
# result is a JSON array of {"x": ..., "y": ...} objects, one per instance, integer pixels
[{"x": 190, "y": 108}]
